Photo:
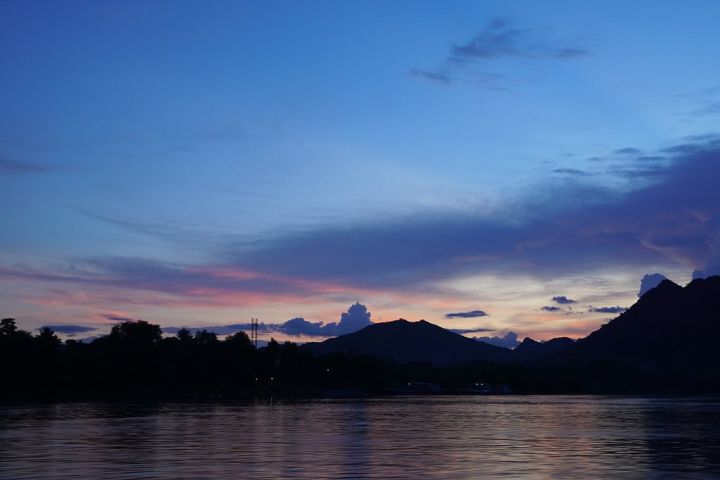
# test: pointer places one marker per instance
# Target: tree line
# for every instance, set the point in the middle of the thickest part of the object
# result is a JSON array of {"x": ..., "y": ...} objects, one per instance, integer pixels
[{"x": 135, "y": 360}]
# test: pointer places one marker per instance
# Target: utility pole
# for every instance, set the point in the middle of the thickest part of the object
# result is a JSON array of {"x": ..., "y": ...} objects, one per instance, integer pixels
[{"x": 254, "y": 331}]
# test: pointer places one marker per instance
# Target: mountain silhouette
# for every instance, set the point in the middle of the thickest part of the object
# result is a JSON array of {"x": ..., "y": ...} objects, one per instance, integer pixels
[
  {"x": 531, "y": 349},
  {"x": 402, "y": 341},
  {"x": 669, "y": 326}
]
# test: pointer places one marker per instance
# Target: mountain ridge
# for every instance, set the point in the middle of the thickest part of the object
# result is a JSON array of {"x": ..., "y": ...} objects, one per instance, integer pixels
[{"x": 669, "y": 325}]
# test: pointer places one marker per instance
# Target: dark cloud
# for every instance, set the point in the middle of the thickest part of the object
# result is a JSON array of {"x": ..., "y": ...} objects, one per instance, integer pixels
[
  {"x": 119, "y": 318},
  {"x": 650, "y": 281},
  {"x": 607, "y": 309},
  {"x": 551, "y": 309},
  {"x": 70, "y": 329},
  {"x": 469, "y": 314},
  {"x": 561, "y": 228},
  {"x": 509, "y": 340},
  {"x": 563, "y": 300},
  {"x": 14, "y": 167},
  {"x": 573, "y": 171},
  {"x": 463, "y": 331},
  {"x": 501, "y": 39},
  {"x": 498, "y": 40},
  {"x": 628, "y": 151},
  {"x": 219, "y": 330}
]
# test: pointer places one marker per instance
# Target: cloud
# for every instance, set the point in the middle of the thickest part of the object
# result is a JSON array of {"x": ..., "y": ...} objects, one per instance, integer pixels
[
  {"x": 463, "y": 331},
  {"x": 573, "y": 171},
  {"x": 628, "y": 151},
  {"x": 14, "y": 167},
  {"x": 551, "y": 309},
  {"x": 607, "y": 309},
  {"x": 706, "y": 100},
  {"x": 119, "y": 318},
  {"x": 509, "y": 340},
  {"x": 501, "y": 39},
  {"x": 356, "y": 318},
  {"x": 498, "y": 40},
  {"x": 712, "y": 264},
  {"x": 70, "y": 330},
  {"x": 217, "y": 329},
  {"x": 650, "y": 281},
  {"x": 469, "y": 314},
  {"x": 433, "y": 76},
  {"x": 206, "y": 285},
  {"x": 563, "y": 300},
  {"x": 566, "y": 227},
  {"x": 710, "y": 108}
]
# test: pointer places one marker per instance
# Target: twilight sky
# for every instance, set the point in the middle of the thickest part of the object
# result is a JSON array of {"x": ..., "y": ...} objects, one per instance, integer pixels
[{"x": 499, "y": 166}]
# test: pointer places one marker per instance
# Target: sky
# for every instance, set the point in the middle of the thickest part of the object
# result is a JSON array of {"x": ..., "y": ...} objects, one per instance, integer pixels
[{"x": 492, "y": 167}]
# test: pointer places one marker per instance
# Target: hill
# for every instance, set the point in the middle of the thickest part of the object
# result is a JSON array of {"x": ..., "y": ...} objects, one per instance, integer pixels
[
  {"x": 530, "y": 349},
  {"x": 669, "y": 326},
  {"x": 402, "y": 341}
]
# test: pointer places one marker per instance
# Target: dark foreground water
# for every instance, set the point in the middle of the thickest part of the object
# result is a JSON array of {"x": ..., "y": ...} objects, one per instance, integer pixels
[{"x": 418, "y": 437}]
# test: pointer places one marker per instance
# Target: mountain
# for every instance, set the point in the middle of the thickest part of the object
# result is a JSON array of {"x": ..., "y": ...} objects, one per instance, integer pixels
[
  {"x": 403, "y": 341},
  {"x": 669, "y": 326},
  {"x": 531, "y": 349},
  {"x": 669, "y": 338}
]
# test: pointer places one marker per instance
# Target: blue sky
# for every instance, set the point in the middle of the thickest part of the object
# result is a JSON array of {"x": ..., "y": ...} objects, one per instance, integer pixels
[{"x": 204, "y": 162}]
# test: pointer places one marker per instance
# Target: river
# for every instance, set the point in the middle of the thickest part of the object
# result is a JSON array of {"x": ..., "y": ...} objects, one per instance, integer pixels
[{"x": 429, "y": 437}]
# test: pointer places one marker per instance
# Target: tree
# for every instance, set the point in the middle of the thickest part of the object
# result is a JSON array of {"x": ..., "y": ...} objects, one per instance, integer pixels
[
  {"x": 7, "y": 327},
  {"x": 203, "y": 337},
  {"x": 47, "y": 337},
  {"x": 139, "y": 332},
  {"x": 184, "y": 335},
  {"x": 239, "y": 339}
]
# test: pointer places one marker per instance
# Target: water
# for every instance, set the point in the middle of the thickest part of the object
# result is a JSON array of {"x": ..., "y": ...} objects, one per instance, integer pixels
[{"x": 417, "y": 437}]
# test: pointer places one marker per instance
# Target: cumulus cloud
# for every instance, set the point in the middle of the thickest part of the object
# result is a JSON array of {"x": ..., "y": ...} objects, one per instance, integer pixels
[
  {"x": 468, "y": 314},
  {"x": 356, "y": 318},
  {"x": 650, "y": 281},
  {"x": 563, "y": 300},
  {"x": 509, "y": 340}
]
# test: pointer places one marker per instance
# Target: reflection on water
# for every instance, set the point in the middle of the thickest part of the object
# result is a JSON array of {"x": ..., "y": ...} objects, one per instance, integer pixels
[{"x": 418, "y": 437}]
